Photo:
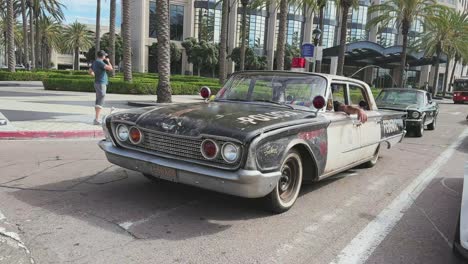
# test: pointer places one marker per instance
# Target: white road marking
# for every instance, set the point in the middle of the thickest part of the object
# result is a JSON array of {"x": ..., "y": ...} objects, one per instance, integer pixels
[
  {"x": 364, "y": 243},
  {"x": 455, "y": 113},
  {"x": 2, "y": 216}
]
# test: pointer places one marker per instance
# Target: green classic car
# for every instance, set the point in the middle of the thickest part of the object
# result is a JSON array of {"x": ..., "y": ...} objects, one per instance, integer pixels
[{"x": 421, "y": 110}]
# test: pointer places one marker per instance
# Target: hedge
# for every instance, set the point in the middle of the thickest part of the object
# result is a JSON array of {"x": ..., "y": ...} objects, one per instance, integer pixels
[{"x": 121, "y": 87}]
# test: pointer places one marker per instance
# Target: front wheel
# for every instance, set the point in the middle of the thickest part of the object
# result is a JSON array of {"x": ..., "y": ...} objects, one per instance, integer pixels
[
  {"x": 432, "y": 125},
  {"x": 285, "y": 194},
  {"x": 419, "y": 130}
]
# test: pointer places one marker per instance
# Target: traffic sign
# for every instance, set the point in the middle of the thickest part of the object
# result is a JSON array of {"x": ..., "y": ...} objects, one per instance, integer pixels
[{"x": 307, "y": 50}]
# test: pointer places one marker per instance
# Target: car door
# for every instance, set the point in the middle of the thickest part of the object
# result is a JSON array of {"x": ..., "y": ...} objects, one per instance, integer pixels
[
  {"x": 342, "y": 133},
  {"x": 369, "y": 131}
]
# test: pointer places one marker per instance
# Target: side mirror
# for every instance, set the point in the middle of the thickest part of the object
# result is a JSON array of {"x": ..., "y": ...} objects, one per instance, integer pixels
[{"x": 205, "y": 92}]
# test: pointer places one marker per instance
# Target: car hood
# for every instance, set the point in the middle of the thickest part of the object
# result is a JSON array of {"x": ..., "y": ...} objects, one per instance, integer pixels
[
  {"x": 240, "y": 121},
  {"x": 398, "y": 107}
]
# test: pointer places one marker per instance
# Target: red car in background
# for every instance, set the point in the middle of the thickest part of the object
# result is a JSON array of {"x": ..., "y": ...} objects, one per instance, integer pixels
[{"x": 460, "y": 90}]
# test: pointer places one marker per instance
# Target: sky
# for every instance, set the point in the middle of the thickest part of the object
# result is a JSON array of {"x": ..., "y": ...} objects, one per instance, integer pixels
[{"x": 84, "y": 11}]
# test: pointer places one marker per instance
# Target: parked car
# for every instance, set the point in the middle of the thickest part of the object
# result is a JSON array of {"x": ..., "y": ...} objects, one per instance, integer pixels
[
  {"x": 421, "y": 110},
  {"x": 460, "y": 90},
  {"x": 264, "y": 134}
]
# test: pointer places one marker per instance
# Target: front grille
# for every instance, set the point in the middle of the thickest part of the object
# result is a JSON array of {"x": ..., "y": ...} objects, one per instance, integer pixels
[{"x": 179, "y": 147}]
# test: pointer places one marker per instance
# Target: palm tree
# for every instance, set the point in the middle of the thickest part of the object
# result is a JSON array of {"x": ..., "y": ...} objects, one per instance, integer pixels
[
  {"x": 282, "y": 30},
  {"x": 112, "y": 33},
  {"x": 77, "y": 37},
  {"x": 164, "y": 91},
  {"x": 10, "y": 19},
  {"x": 127, "y": 49},
  {"x": 223, "y": 39},
  {"x": 321, "y": 6},
  {"x": 345, "y": 5},
  {"x": 31, "y": 33},
  {"x": 51, "y": 32},
  {"x": 25, "y": 32},
  {"x": 401, "y": 14},
  {"x": 97, "y": 40},
  {"x": 444, "y": 32},
  {"x": 243, "y": 36}
]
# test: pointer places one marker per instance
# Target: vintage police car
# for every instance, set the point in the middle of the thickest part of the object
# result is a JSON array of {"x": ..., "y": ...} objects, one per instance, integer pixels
[
  {"x": 264, "y": 134},
  {"x": 421, "y": 110}
]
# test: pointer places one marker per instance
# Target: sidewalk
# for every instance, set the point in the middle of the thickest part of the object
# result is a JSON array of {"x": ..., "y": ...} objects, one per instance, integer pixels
[{"x": 32, "y": 112}]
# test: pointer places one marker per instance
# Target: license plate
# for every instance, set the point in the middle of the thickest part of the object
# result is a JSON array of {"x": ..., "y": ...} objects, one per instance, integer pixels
[{"x": 164, "y": 173}]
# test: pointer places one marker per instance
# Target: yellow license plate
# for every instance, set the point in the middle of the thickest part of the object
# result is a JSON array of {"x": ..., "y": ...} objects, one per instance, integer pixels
[{"x": 164, "y": 173}]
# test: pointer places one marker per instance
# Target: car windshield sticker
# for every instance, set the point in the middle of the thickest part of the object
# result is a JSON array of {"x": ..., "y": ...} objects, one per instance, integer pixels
[{"x": 252, "y": 119}]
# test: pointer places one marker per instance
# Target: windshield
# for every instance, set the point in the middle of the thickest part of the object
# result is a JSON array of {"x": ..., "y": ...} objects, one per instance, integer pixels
[
  {"x": 400, "y": 97},
  {"x": 460, "y": 85},
  {"x": 287, "y": 89}
]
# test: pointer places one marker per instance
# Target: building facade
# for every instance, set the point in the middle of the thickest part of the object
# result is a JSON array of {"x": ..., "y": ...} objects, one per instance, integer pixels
[{"x": 201, "y": 19}]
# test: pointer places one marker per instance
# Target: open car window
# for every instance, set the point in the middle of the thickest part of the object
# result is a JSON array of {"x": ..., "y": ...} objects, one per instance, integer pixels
[{"x": 357, "y": 97}]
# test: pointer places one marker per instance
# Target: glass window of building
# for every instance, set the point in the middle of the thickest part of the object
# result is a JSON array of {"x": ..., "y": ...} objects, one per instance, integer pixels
[
  {"x": 176, "y": 13},
  {"x": 328, "y": 34},
  {"x": 293, "y": 27},
  {"x": 177, "y": 22},
  {"x": 208, "y": 24},
  {"x": 152, "y": 20},
  {"x": 255, "y": 29},
  {"x": 386, "y": 39},
  {"x": 359, "y": 15}
]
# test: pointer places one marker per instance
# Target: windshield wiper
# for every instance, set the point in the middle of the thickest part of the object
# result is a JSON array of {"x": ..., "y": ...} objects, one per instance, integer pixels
[{"x": 273, "y": 102}]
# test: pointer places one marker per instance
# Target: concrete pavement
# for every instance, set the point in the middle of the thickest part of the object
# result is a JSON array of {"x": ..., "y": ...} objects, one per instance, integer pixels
[
  {"x": 73, "y": 206},
  {"x": 33, "y": 112}
]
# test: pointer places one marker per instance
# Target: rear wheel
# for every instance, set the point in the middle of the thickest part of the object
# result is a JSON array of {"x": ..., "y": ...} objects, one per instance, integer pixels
[
  {"x": 283, "y": 197},
  {"x": 371, "y": 163}
]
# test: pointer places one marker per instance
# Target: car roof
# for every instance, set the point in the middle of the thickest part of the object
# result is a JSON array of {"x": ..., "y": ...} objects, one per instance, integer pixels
[
  {"x": 329, "y": 77},
  {"x": 404, "y": 89}
]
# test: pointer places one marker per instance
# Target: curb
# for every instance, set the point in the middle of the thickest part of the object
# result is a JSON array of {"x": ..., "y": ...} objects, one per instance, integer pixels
[{"x": 51, "y": 134}]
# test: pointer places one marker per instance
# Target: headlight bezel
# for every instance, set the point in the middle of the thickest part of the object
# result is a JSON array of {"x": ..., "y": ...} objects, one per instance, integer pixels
[
  {"x": 415, "y": 114},
  {"x": 238, "y": 152},
  {"x": 202, "y": 150},
  {"x": 117, "y": 132},
  {"x": 130, "y": 137}
]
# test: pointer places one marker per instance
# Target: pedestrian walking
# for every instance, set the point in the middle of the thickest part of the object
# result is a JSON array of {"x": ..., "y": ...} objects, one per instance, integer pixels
[{"x": 99, "y": 70}]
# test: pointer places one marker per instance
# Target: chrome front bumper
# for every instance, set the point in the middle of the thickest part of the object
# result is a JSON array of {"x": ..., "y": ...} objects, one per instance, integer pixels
[{"x": 244, "y": 183}]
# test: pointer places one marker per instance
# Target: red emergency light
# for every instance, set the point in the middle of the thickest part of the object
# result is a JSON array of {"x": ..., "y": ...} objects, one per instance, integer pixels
[{"x": 298, "y": 63}]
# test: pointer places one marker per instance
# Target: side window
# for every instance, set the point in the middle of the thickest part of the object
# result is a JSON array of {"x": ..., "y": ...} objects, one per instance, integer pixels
[
  {"x": 358, "y": 98},
  {"x": 338, "y": 95}
]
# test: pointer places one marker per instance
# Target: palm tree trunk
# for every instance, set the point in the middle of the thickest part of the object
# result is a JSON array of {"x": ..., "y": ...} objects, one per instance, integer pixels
[
  {"x": 281, "y": 41},
  {"x": 242, "y": 49},
  {"x": 112, "y": 34},
  {"x": 436, "y": 73},
  {"x": 25, "y": 32},
  {"x": 453, "y": 70},
  {"x": 444, "y": 87},
  {"x": 31, "y": 34},
  {"x": 164, "y": 91},
  {"x": 223, "y": 38},
  {"x": 38, "y": 45},
  {"x": 76, "y": 60},
  {"x": 318, "y": 66},
  {"x": 10, "y": 36},
  {"x": 127, "y": 49},
  {"x": 404, "y": 32},
  {"x": 343, "y": 32},
  {"x": 97, "y": 40}
]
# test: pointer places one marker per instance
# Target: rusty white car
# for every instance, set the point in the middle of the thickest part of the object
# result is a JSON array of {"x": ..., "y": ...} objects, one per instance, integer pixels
[{"x": 262, "y": 136}]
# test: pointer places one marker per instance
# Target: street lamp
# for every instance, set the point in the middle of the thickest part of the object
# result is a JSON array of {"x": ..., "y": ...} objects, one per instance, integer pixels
[
  {"x": 316, "y": 33},
  {"x": 244, "y": 22}
]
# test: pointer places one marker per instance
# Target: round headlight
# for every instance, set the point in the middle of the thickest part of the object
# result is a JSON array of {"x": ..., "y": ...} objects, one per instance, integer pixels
[
  {"x": 230, "y": 152},
  {"x": 135, "y": 135},
  {"x": 209, "y": 149},
  {"x": 122, "y": 132},
  {"x": 415, "y": 114}
]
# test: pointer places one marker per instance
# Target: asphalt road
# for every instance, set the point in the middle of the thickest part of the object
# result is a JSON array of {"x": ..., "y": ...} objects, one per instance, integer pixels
[{"x": 68, "y": 204}]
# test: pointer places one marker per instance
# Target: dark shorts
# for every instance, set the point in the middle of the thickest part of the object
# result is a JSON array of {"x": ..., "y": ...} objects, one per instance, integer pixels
[{"x": 100, "y": 94}]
